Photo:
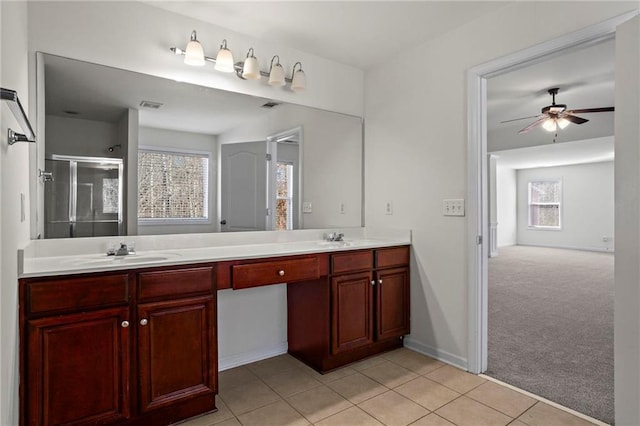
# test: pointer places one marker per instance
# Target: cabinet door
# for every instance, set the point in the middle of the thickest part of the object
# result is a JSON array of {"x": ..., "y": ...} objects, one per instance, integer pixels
[
  {"x": 77, "y": 368},
  {"x": 351, "y": 312},
  {"x": 177, "y": 351},
  {"x": 392, "y": 303}
]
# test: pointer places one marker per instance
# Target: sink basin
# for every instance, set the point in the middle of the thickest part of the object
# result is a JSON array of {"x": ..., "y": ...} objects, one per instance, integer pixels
[{"x": 104, "y": 260}]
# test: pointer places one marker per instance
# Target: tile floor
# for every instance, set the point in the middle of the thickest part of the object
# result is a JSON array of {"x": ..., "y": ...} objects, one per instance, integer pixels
[{"x": 401, "y": 387}]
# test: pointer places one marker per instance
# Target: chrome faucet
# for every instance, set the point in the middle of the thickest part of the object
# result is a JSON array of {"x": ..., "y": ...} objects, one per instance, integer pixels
[
  {"x": 334, "y": 236},
  {"x": 122, "y": 251}
]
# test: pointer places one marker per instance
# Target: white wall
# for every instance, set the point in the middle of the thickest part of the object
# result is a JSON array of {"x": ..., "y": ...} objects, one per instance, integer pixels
[
  {"x": 416, "y": 152},
  {"x": 14, "y": 181},
  {"x": 137, "y": 37},
  {"x": 87, "y": 138},
  {"x": 506, "y": 206},
  {"x": 331, "y": 165},
  {"x": 162, "y": 138},
  {"x": 587, "y": 207}
]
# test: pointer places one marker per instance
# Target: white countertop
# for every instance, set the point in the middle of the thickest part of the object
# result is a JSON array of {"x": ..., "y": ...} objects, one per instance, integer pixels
[{"x": 63, "y": 257}]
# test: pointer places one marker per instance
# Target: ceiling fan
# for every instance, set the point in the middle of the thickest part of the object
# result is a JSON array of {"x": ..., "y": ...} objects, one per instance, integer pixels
[{"x": 557, "y": 116}]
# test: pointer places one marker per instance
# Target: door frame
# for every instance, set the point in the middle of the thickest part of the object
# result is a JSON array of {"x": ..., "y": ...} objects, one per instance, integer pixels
[{"x": 477, "y": 225}]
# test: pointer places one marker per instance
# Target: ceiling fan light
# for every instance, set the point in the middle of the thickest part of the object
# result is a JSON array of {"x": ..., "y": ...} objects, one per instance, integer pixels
[
  {"x": 563, "y": 122},
  {"x": 550, "y": 125},
  {"x": 194, "y": 53},
  {"x": 224, "y": 59}
]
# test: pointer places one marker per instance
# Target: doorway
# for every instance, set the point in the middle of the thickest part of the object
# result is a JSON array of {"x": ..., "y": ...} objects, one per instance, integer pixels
[{"x": 478, "y": 247}]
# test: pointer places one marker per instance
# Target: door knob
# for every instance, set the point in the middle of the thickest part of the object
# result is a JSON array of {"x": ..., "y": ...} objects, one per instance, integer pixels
[
  {"x": 144, "y": 321},
  {"x": 223, "y": 222}
]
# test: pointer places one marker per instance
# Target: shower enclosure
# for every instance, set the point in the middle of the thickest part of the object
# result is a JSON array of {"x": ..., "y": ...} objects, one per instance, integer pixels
[{"x": 83, "y": 197}]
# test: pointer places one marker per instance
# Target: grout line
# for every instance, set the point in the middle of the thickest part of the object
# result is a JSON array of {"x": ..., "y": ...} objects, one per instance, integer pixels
[{"x": 546, "y": 401}]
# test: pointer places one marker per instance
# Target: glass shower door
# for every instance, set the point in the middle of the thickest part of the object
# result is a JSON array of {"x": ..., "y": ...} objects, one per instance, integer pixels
[{"x": 85, "y": 197}]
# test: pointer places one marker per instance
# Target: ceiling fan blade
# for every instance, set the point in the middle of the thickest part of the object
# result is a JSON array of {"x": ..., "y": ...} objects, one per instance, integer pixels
[
  {"x": 518, "y": 119},
  {"x": 534, "y": 124},
  {"x": 588, "y": 110},
  {"x": 574, "y": 119}
]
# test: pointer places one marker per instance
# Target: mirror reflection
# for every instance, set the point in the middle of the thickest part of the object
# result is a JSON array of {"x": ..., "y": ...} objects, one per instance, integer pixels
[{"x": 134, "y": 154}]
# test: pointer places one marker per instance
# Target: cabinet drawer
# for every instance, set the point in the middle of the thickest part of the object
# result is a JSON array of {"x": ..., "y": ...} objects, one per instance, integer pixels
[
  {"x": 274, "y": 272},
  {"x": 391, "y": 257},
  {"x": 68, "y": 294},
  {"x": 178, "y": 282},
  {"x": 350, "y": 262}
]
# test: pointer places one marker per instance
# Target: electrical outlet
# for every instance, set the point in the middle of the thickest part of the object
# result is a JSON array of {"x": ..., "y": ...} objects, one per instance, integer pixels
[
  {"x": 306, "y": 207},
  {"x": 341, "y": 208},
  {"x": 453, "y": 207},
  {"x": 388, "y": 207}
]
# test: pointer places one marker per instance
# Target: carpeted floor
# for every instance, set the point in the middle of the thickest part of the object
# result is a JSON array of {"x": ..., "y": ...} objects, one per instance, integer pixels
[{"x": 551, "y": 325}]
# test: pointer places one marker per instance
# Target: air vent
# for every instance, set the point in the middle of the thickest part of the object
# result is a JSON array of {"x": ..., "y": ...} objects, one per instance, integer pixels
[
  {"x": 270, "y": 104},
  {"x": 150, "y": 105}
]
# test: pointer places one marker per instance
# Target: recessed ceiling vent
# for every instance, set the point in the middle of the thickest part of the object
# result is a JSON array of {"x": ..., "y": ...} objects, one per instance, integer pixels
[
  {"x": 150, "y": 105},
  {"x": 270, "y": 104}
]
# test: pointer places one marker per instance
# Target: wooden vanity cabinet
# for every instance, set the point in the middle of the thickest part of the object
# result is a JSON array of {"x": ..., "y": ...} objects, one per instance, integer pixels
[
  {"x": 362, "y": 310},
  {"x": 136, "y": 347}
]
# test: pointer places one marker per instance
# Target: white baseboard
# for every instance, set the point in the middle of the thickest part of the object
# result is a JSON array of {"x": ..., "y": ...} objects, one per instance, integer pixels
[
  {"x": 438, "y": 354},
  {"x": 237, "y": 360},
  {"x": 596, "y": 249}
]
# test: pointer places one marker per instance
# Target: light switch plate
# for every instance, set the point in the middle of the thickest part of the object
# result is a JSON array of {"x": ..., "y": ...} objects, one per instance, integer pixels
[
  {"x": 306, "y": 207},
  {"x": 453, "y": 207}
]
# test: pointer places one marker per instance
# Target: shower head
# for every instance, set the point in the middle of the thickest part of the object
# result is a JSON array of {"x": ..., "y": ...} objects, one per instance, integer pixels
[{"x": 112, "y": 147}]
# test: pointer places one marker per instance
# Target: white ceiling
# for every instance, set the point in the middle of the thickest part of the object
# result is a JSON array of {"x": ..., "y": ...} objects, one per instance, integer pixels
[
  {"x": 357, "y": 33},
  {"x": 103, "y": 93}
]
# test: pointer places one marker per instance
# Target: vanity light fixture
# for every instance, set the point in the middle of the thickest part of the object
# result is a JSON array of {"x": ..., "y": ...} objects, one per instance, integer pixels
[{"x": 247, "y": 70}]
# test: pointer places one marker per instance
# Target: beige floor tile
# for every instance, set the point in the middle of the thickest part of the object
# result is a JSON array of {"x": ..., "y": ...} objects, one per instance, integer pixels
[
  {"x": 277, "y": 414},
  {"x": 329, "y": 377},
  {"x": 467, "y": 412},
  {"x": 275, "y": 365},
  {"x": 502, "y": 398},
  {"x": 389, "y": 374},
  {"x": 230, "y": 422},
  {"x": 517, "y": 423},
  {"x": 427, "y": 393},
  {"x": 394, "y": 409},
  {"x": 290, "y": 381},
  {"x": 221, "y": 415},
  {"x": 352, "y": 417},
  {"x": 368, "y": 363},
  {"x": 432, "y": 420},
  {"x": 413, "y": 361},
  {"x": 248, "y": 397},
  {"x": 357, "y": 387},
  {"x": 542, "y": 414},
  {"x": 318, "y": 403},
  {"x": 455, "y": 378},
  {"x": 235, "y": 377}
]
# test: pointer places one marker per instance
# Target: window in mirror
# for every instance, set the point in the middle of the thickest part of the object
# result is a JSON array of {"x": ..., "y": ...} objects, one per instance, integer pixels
[
  {"x": 173, "y": 186},
  {"x": 284, "y": 196}
]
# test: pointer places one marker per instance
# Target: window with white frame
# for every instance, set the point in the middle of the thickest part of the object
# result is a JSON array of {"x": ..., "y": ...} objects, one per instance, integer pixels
[
  {"x": 545, "y": 204},
  {"x": 173, "y": 186}
]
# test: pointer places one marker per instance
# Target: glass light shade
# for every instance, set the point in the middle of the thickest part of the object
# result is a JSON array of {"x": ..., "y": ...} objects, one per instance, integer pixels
[
  {"x": 299, "y": 82},
  {"x": 224, "y": 60},
  {"x": 276, "y": 76},
  {"x": 251, "y": 69},
  {"x": 194, "y": 54},
  {"x": 549, "y": 125},
  {"x": 563, "y": 122}
]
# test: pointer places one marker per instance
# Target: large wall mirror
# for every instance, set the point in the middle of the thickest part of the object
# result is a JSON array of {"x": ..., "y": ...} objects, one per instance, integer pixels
[{"x": 133, "y": 154}]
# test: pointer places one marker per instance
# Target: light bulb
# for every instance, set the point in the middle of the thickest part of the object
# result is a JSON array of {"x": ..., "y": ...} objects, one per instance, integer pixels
[
  {"x": 550, "y": 125},
  {"x": 251, "y": 68},
  {"x": 194, "y": 54},
  {"x": 276, "y": 74},
  {"x": 298, "y": 79},
  {"x": 224, "y": 59},
  {"x": 563, "y": 122}
]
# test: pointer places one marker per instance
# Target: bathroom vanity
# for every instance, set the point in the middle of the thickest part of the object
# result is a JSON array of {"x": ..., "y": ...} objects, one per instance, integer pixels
[{"x": 135, "y": 341}]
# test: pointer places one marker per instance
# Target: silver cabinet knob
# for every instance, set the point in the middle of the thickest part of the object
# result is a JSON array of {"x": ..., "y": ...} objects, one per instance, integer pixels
[
  {"x": 281, "y": 273},
  {"x": 144, "y": 321},
  {"x": 379, "y": 281},
  {"x": 124, "y": 324},
  {"x": 373, "y": 282}
]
